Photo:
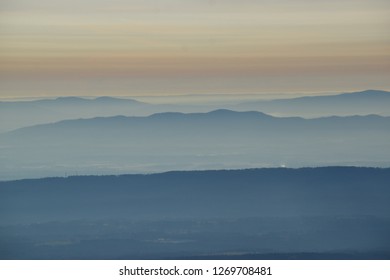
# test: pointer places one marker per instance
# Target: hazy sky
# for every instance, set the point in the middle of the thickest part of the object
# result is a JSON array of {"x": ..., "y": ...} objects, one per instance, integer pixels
[{"x": 157, "y": 47}]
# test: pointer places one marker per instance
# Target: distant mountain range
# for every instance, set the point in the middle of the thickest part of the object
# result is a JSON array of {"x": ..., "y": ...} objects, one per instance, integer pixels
[
  {"x": 175, "y": 141},
  {"x": 355, "y": 103},
  {"x": 239, "y": 188},
  {"x": 25, "y": 113},
  {"x": 15, "y": 115}
]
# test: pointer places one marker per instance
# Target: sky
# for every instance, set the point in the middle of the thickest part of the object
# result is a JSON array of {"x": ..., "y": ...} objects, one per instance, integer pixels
[{"x": 182, "y": 47}]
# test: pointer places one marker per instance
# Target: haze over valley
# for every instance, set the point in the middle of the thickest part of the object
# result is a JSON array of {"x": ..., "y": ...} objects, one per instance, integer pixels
[
  {"x": 220, "y": 139},
  {"x": 17, "y": 114},
  {"x": 197, "y": 129}
]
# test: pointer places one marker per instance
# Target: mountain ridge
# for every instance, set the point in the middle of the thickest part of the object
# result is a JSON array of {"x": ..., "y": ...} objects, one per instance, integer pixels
[
  {"x": 366, "y": 93},
  {"x": 333, "y": 168},
  {"x": 219, "y": 139},
  {"x": 222, "y": 114},
  {"x": 18, "y": 114},
  {"x": 353, "y": 103}
]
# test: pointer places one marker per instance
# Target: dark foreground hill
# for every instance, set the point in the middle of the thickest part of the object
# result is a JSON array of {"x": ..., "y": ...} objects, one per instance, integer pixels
[{"x": 333, "y": 212}]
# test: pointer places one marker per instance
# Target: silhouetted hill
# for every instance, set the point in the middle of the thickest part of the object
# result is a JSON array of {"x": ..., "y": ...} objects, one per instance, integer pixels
[
  {"x": 19, "y": 114},
  {"x": 277, "y": 213},
  {"x": 355, "y": 103},
  {"x": 170, "y": 141},
  {"x": 200, "y": 194},
  {"x": 172, "y": 124}
]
